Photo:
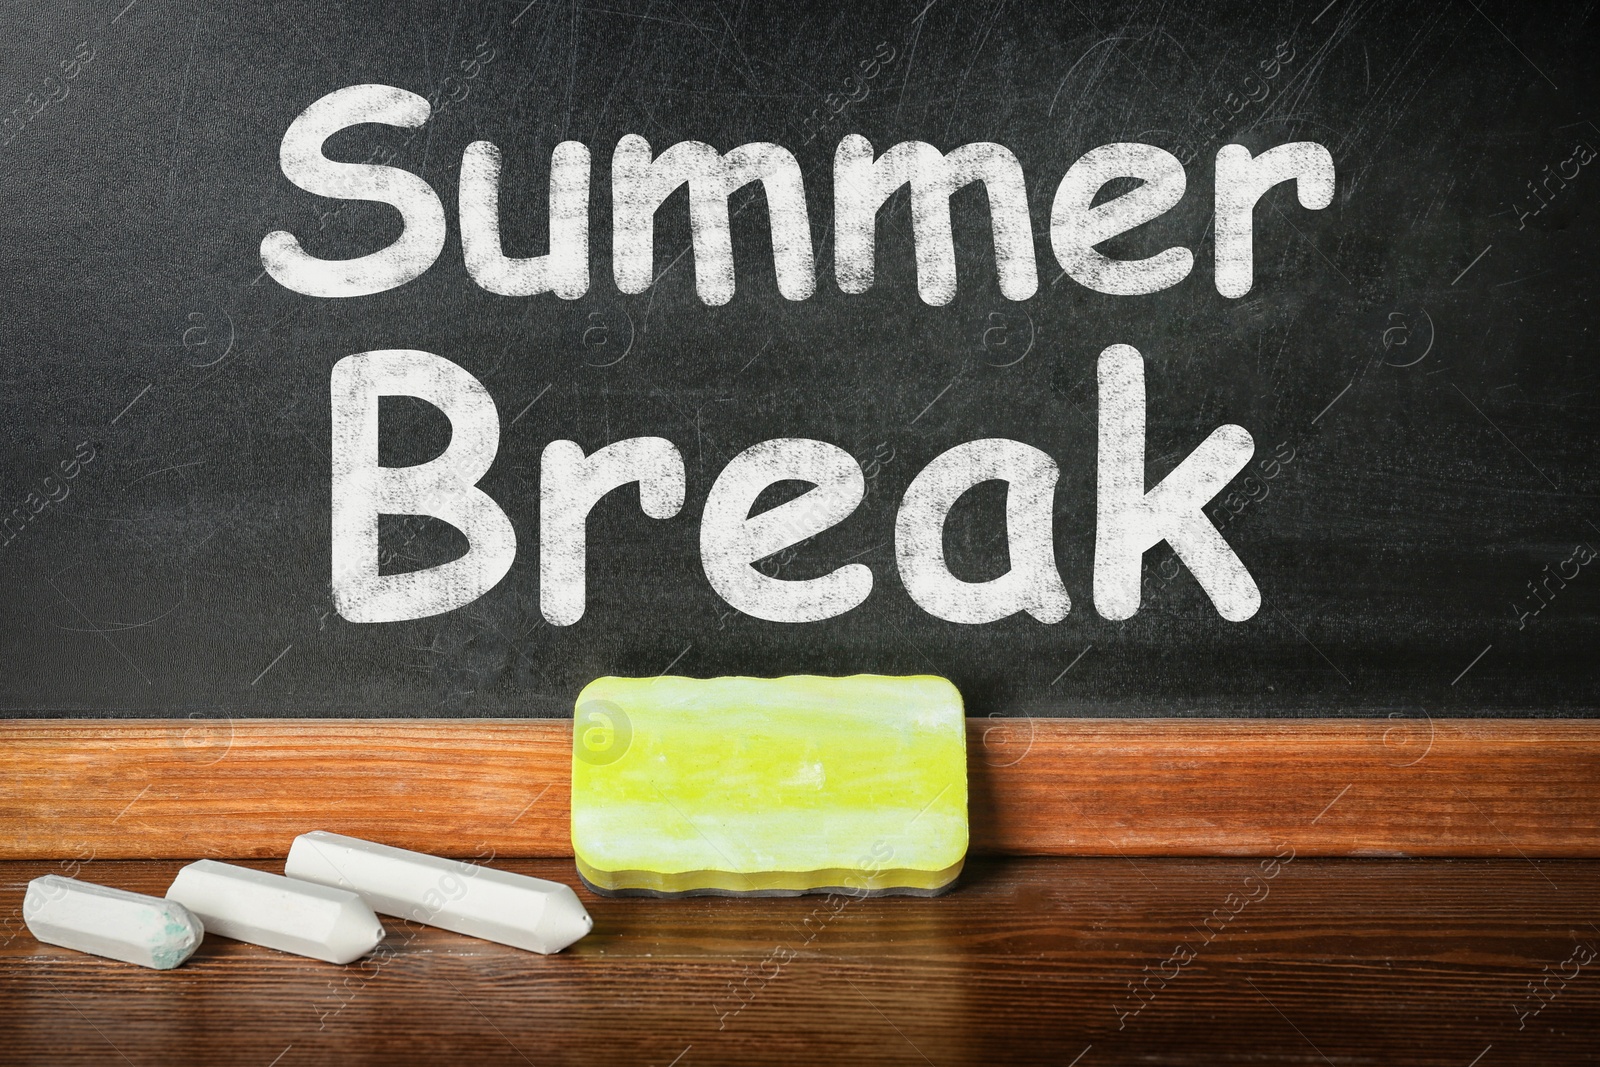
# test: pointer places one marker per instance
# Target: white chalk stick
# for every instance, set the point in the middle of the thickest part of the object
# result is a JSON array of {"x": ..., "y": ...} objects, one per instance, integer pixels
[
  {"x": 282, "y": 913},
  {"x": 510, "y": 909},
  {"x": 114, "y": 923}
]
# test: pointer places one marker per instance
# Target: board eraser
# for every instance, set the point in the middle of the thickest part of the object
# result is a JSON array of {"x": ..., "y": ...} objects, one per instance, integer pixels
[
  {"x": 769, "y": 786},
  {"x": 500, "y": 906},
  {"x": 282, "y": 913},
  {"x": 114, "y": 923}
]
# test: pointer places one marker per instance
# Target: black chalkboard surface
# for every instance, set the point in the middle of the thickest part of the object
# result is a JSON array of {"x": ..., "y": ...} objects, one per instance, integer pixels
[{"x": 1414, "y": 363}]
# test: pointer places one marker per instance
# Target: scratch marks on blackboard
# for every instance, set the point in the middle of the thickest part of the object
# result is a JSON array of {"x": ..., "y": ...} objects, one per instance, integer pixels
[
  {"x": 449, "y": 50},
  {"x": 753, "y": 358},
  {"x": 177, "y": 128},
  {"x": 1314, "y": 247},
  {"x": 642, "y": 16},
  {"x": 1366, "y": 77},
  {"x": 163, "y": 470},
  {"x": 972, "y": 59},
  {"x": 110, "y": 627},
  {"x": 750, "y": 69},
  {"x": 1401, "y": 84},
  {"x": 1093, "y": 77},
  {"x": 1523, "y": 278},
  {"x": 516, "y": 646},
  {"x": 1293, "y": 94},
  {"x": 572, "y": 74},
  {"x": 98, "y": 631},
  {"x": 918, "y": 20}
]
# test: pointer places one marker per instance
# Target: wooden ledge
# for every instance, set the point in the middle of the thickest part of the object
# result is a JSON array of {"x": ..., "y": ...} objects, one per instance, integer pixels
[{"x": 113, "y": 788}]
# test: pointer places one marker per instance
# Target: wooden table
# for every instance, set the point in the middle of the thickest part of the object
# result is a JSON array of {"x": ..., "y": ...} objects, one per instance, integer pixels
[{"x": 1310, "y": 961}]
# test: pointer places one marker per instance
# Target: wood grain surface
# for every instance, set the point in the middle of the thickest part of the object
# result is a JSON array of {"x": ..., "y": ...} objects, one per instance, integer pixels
[
  {"x": 1415, "y": 962},
  {"x": 1333, "y": 787}
]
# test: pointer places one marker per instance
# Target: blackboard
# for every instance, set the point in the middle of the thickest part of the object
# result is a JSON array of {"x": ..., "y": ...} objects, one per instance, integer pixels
[{"x": 1414, "y": 362}]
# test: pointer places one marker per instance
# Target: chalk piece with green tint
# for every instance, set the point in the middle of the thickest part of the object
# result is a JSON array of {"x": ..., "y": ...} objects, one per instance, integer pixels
[{"x": 769, "y": 786}]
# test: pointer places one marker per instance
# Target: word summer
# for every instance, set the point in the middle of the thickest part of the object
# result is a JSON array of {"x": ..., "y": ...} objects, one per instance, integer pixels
[
  {"x": 863, "y": 182},
  {"x": 1130, "y": 519}
]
